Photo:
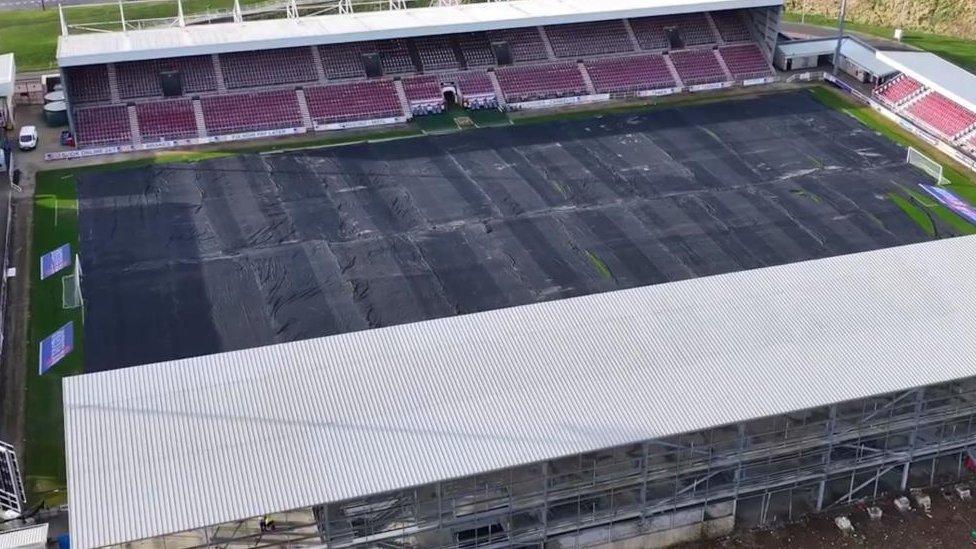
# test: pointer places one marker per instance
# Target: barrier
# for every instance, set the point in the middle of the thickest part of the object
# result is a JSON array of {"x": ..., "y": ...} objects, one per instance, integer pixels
[
  {"x": 658, "y": 92},
  {"x": 560, "y": 101},
  {"x": 360, "y": 123},
  {"x": 709, "y": 87}
]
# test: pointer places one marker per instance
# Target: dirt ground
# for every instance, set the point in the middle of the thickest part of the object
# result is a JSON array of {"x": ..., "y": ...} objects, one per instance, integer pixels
[{"x": 949, "y": 525}]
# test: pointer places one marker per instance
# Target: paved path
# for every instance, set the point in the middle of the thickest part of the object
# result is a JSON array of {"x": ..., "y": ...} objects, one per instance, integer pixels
[{"x": 10, "y": 5}]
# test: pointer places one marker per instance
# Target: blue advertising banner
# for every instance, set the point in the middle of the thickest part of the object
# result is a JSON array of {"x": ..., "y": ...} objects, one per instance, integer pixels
[
  {"x": 949, "y": 199},
  {"x": 55, "y": 260},
  {"x": 56, "y": 346}
]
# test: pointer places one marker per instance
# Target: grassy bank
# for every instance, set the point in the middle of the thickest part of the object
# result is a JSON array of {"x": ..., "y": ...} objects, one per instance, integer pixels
[{"x": 958, "y": 50}]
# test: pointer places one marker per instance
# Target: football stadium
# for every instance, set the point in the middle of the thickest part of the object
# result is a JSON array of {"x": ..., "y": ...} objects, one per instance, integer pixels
[{"x": 642, "y": 279}]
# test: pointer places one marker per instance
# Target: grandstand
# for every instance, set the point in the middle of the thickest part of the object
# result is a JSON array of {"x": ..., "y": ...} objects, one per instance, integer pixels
[
  {"x": 231, "y": 80},
  {"x": 640, "y": 416},
  {"x": 933, "y": 94}
]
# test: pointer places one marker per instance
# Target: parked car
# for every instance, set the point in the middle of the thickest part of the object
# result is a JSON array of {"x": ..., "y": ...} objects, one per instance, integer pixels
[{"x": 28, "y": 138}]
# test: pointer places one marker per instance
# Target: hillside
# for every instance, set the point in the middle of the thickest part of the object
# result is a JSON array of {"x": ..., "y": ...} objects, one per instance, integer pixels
[{"x": 949, "y": 17}]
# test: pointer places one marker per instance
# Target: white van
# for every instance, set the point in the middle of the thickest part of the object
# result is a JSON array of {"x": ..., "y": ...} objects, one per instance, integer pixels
[{"x": 28, "y": 138}]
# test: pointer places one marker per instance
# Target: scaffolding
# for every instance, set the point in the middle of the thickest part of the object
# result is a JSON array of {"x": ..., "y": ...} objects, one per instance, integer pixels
[{"x": 766, "y": 471}]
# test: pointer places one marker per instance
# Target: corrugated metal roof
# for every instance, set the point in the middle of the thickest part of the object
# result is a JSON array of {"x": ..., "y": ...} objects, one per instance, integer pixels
[
  {"x": 173, "y": 446},
  {"x": 860, "y": 53},
  {"x": 84, "y": 49},
  {"x": 952, "y": 81},
  {"x": 27, "y": 537}
]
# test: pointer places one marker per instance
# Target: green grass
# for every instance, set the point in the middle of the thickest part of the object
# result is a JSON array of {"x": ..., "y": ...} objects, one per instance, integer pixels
[
  {"x": 960, "y": 51},
  {"x": 55, "y": 223},
  {"x": 914, "y": 212},
  {"x": 32, "y": 35},
  {"x": 962, "y": 181}
]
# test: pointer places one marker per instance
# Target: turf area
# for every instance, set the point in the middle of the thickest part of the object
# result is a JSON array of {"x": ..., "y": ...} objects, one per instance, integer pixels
[
  {"x": 250, "y": 250},
  {"x": 55, "y": 223}
]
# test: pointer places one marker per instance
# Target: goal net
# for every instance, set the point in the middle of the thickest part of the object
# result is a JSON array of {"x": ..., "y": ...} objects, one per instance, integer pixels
[
  {"x": 927, "y": 165},
  {"x": 71, "y": 287}
]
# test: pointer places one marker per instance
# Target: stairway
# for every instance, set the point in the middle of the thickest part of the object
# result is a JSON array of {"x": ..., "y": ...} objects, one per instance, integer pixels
[
  {"x": 714, "y": 27},
  {"x": 418, "y": 65},
  {"x": 725, "y": 68},
  {"x": 198, "y": 116},
  {"x": 632, "y": 35},
  {"x": 458, "y": 54},
  {"x": 134, "y": 125},
  {"x": 402, "y": 95},
  {"x": 545, "y": 41},
  {"x": 319, "y": 67},
  {"x": 113, "y": 82},
  {"x": 303, "y": 109},
  {"x": 912, "y": 99},
  {"x": 586, "y": 78},
  {"x": 218, "y": 73},
  {"x": 673, "y": 71},
  {"x": 499, "y": 94}
]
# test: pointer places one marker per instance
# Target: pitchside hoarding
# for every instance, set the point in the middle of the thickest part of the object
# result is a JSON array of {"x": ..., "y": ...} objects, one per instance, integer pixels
[
  {"x": 949, "y": 199},
  {"x": 55, "y": 260},
  {"x": 56, "y": 346}
]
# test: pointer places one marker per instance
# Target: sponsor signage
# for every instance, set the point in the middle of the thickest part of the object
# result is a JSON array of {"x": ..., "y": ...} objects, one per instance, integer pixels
[
  {"x": 56, "y": 346},
  {"x": 658, "y": 92},
  {"x": 360, "y": 123},
  {"x": 559, "y": 101},
  {"x": 55, "y": 260},
  {"x": 950, "y": 200},
  {"x": 712, "y": 86}
]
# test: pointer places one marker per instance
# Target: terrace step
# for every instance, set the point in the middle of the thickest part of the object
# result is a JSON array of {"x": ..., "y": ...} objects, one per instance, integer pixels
[
  {"x": 319, "y": 67},
  {"x": 402, "y": 96},
  {"x": 632, "y": 35},
  {"x": 218, "y": 73},
  {"x": 913, "y": 99},
  {"x": 499, "y": 94},
  {"x": 134, "y": 125},
  {"x": 303, "y": 109},
  {"x": 967, "y": 134},
  {"x": 721, "y": 61},
  {"x": 673, "y": 71},
  {"x": 586, "y": 78},
  {"x": 545, "y": 42},
  {"x": 714, "y": 27},
  {"x": 113, "y": 82},
  {"x": 198, "y": 116}
]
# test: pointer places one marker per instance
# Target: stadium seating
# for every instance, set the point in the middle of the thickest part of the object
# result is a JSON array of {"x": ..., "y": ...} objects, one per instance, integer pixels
[
  {"x": 345, "y": 60},
  {"x": 353, "y": 101},
  {"x": 528, "y": 83},
  {"x": 107, "y": 125},
  {"x": 255, "y": 111},
  {"x": 395, "y": 57},
  {"x": 697, "y": 67},
  {"x": 476, "y": 90},
  {"x": 88, "y": 84},
  {"x": 898, "y": 89},
  {"x": 692, "y": 28},
  {"x": 476, "y": 49},
  {"x": 583, "y": 39},
  {"x": 745, "y": 61},
  {"x": 170, "y": 119},
  {"x": 941, "y": 114},
  {"x": 424, "y": 94},
  {"x": 138, "y": 79},
  {"x": 436, "y": 52},
  {"x": 267, "y": 67},
  {"x": 525, "y": 43},
  {"x": 626, "y": 74},
  {"x": 730, "y": 26}
]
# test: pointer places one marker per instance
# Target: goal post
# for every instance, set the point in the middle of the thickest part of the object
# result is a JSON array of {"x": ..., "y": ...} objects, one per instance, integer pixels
[
  {"x": 921, "y": 161},
  {"x": 71, "y": 287}
]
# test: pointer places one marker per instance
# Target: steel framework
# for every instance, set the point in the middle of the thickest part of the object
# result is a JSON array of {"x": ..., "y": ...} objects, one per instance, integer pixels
[{"x": 765, "y": 471}]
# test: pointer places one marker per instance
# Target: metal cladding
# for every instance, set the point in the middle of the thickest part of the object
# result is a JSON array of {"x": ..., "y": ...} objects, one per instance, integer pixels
[{"x": 169, "y": 447}]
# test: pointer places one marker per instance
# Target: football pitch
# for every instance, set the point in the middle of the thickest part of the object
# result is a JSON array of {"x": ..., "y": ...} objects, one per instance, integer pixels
[
  {"x": 187, "y": 259},
  {"x": 190, "y": 257}
]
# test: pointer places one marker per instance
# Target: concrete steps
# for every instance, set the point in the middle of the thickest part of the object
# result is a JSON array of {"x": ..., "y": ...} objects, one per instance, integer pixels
[
  {"x": 319, "y": 67},
  {"x": 218, "y": 73},
  {"x": 632, "y": 35},
  {"x": 545, "y": 41},
  {"x": 586, "y": 78},
  {"x": 402, "y": 96},
  {"x": 673, "y": 71},
  {"x": 303, "y": 109},
  {"x": 198, "y": 116},
  {"x": 499, "y": 94},
  {"x": 714, "y": 27},
  {"x": 134, "y": 125},
  {"x": 113, "y": 83},
  {"x": 725, "y": 68}
]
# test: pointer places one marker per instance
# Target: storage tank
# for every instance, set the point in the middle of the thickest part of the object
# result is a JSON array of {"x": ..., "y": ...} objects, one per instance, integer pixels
[{"x": 56, "y": 114}]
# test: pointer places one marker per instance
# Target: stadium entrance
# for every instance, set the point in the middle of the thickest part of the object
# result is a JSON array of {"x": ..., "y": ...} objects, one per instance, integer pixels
[{"x": 450, "y": 95}]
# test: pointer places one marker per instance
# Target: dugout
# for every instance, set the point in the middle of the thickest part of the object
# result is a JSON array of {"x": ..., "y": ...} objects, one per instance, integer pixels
[{"x": 857, "y": 58}]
